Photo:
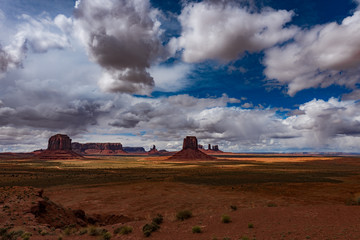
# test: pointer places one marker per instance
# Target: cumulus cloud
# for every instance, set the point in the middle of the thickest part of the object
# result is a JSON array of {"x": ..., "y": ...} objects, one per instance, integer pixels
[
  {"x": 326, "y": 120},
  {"x": 225, "y": 30},
  {"x": 123, "y": 38},
  {"x": 324, "y": 55},
  {"x": 170, "y": 78},
  {"x": 36, "y": 34}
]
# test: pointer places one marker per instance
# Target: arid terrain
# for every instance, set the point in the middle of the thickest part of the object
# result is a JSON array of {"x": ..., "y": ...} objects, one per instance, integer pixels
[{"x": 114, "y": 197}]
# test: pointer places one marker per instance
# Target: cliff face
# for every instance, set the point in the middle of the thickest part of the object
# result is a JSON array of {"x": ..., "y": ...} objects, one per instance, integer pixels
[
  {"x": 190, "y": 142},
  {"x": 59, "y": 142},
  {"x": 98, "y": 148}
]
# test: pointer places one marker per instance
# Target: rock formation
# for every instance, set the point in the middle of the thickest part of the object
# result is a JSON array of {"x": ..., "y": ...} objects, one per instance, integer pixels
[
  {"x": 212, "y": 149},
  {"x": 190, "y": 151},
  {"x": 153, "y": 151},
  {"x": 98, "y": 148},
  {"x": 59, "y": 147},
  {"x": 59, "y": 142}
]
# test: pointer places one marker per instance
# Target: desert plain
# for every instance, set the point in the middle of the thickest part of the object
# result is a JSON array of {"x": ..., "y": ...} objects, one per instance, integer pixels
[{"x": 236, "y": 196}]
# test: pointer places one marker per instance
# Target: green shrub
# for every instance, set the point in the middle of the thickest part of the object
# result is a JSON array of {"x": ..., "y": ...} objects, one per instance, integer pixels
[
  {"x": 93, "y": 231},
  {"x": 149, "y": 228},
  {"x": 106, "y": 236},
  {"x": 3, "y": 231},
  {"x": 158, "y": 219},
  {"x": 233, "y": 207},
  {"x": 250, "y": 225},
  {"x": 83, "y": 231},
  {"x": 271, "y": 204},
  {"x": 196, "y": 229},
  {"x": 225, "y": 218},
  {"x": 12, "y": 235},
  {"x": 182, "y": 215},
  {"x": 26, "y": 236},
  {"x": 123, "y": 230}
]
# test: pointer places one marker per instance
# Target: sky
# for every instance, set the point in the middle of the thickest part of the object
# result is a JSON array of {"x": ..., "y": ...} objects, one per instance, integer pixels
[{"x": 247, "y": 75}]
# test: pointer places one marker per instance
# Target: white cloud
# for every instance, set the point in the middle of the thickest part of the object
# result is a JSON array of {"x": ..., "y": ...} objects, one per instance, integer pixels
[
  {"x": 324, "y": 55},
  {"x": 223, "y": 31},
  {"x": 170, "y": 78},
  {"x": 36, "y": 34}
]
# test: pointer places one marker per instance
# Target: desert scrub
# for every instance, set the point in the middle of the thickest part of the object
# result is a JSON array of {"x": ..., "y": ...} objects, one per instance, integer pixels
[
  {"x": 158, "y": 219},
  {"x": 12, "y": 235},
  {"x": 106, "y": 236},
  {"x": 93, "y": 231},
  {"x": 83, "y": 231},
  {"x": 271, "y": 204},
  {"x": 26, "y": 236},
  {"x": 233, "y": 207},
  {"x": 196, "y": 229},
  {"x": 123, "y": 230},
  {"x": 182, "y": 215},
  {"x": 250, "y": 225},
  {"x": 149, "y": 228},
  {"x": 225, "y": 218}
]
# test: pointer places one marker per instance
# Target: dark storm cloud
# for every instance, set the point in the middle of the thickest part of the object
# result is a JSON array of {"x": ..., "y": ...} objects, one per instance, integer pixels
[
  {"x": 122, "y": 37},
  {"x": 75, "y": 117},
  {"x": 3, "y": 60}
]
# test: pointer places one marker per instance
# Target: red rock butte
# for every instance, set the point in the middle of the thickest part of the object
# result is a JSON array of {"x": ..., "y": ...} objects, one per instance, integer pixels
[
  {"x": 59, "y": 147},
  {"x": 59, "y": 142},
  {"x": 190, "y": 151}
]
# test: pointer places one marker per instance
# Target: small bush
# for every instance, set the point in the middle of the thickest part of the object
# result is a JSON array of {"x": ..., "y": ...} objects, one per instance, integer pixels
[
  {"x": 106, "y": 236},
  {"x": 83, "y": 231},
  {"x": 93, "y": 231},
  {"x": 158, "y": 219},
  {"x": 225, "y": 218},
  {"x": 233, "y": 207},
  {"x": 123, "y": 230},
  {"x": 182, "y": 215},
  {"x": 3, "y": 231},
  {"x": 196, "y": 229},
  {"x": 26, "y": 236},
  {"x": 271, "y": 204},
  {"x": 250, "y": 225},
  {"x": 149, "y": 228}
]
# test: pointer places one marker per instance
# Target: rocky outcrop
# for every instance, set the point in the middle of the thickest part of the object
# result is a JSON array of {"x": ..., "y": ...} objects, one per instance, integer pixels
[
  {"x": 59, "y": 142},
  {"x": 98, "y": 148},
  {"x": 190, "y": 151},
  {"x": 59, "y": 148},
  {"x": 153, "y": 151},
  {"x": 214, "y": 149}
]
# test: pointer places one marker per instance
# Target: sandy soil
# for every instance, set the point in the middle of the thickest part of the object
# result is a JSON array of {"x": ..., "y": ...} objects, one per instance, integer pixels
[
  {"x": 273, "y": 216},
  {"x": 264, "y": 210}
]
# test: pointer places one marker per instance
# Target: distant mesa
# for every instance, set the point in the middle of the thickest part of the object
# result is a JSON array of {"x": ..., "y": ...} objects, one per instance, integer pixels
[
  {"x": 98, "y": 148},
  {"x": 134, "y": 150},
  {"x": 59, "y": 147},
  {"x": 191, "y": 151}
]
